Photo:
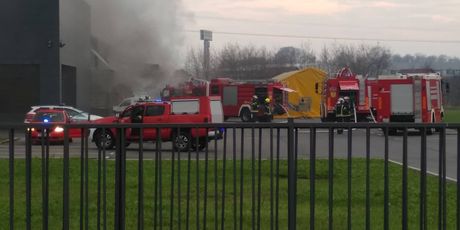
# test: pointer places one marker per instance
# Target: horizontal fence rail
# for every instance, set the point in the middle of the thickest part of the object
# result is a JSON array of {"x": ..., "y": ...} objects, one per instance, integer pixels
[{"x": 252, "y": 176}]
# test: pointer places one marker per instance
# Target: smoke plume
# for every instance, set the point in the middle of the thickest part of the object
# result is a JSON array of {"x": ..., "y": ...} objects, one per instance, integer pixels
[{"x": 142, "y": 38}]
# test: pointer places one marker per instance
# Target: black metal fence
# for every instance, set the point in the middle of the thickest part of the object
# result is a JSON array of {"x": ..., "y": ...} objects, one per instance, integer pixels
[{"x": 258, "y": 176}]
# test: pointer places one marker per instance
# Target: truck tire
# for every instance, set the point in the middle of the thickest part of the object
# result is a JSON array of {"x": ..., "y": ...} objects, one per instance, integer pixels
[
  {"x": 104, "y": 140},
  {"x": 182, "y": 141},
  {"x": 246, "y": 115}
]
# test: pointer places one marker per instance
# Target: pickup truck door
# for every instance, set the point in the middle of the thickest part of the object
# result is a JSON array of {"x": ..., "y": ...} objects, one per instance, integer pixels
[
  {"x": 125, "y": 117},
  {"x": 155, "y": 114}
]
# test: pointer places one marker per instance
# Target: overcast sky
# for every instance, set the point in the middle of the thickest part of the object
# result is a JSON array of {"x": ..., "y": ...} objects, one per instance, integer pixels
[{"x": 323, "y": 22}]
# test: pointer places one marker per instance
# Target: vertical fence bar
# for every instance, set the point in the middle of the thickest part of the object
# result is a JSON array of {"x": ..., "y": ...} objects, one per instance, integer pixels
[
  {"x": 291, "y": 177},
  {"x": 216, "y": 198},
  {"x": 440, "y": 191},
  {"x": 171, "y": 197},
  {"x": 120, "y": 174},
  {"x": 404, "y": 182},
  {"x": 234, "y": 180},
  {"x": 458, "y": 179},
  {"x": 206, "y": 167},
  {"x": 259, "y": 186},
  {"x": 423, "y": 180},
  {"x": 224, "y": 168},
  {"x": 160, "y": 179},
  {"x": 271, "y": 180},
  {"x": 104, "y": 184},
  {"x": 312, "y": 176},
  {"x": 99, "y": 166},
  {"x": 82, "y": 181},
  {"x": 197, "y": 186},
  {"x": 11, "y": 168},
  {"x": 386, "y": 198},
  {"x": 28, "y": 180},
  {"x": 43, "y": 140},
  {"x": 277, "y": 178},
  {"x": 349, "y": 155},
  {"x": 155, "y": 194},
  {"x": 65, "y": 187},
  {"x": 46, "y": 200},
  {"x": 140, "y": 182},
  {"x": 444, "y": 199},
  {"x": 179, "y": 198},
  {"x": 331, "y": 178},
  {"x": 85, "y": 140},
  {"x": 241, "y": 178},
  {"x": 368, "y": 162},
  {"x": 253, "y": 179},
  {"x": 187, "y": 209}
]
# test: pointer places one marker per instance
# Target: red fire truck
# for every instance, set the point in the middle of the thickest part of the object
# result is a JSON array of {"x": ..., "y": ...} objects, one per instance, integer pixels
[
  {"x": 237, "y": 96},
  {"x": 415, "y": 97},
  {"x": 346, "y": 84}
]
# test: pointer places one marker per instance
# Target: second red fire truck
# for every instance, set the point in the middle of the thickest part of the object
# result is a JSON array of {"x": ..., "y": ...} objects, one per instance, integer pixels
[
  {"x": 237, "y": 96},
  {"x": 415, "y": 97},
  {"x": 412, "y": 97}
]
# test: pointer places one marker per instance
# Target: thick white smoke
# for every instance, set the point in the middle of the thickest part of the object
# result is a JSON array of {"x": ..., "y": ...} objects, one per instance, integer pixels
[{"x": 143, "y": 38}]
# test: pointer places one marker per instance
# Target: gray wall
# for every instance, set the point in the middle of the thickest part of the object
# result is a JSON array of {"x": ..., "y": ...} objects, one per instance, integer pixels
[
  {"x": 29, "y": 34},
  {"x": 76, "y": 35}
]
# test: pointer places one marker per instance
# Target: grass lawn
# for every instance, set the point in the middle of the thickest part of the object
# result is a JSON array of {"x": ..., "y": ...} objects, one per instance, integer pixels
[
  {"x": 340, "y": 195},
  {"x": 452, "y": 115}
]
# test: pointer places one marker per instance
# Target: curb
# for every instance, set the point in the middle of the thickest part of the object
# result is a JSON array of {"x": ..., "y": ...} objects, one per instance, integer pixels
[{"x": 3, "y": 141}]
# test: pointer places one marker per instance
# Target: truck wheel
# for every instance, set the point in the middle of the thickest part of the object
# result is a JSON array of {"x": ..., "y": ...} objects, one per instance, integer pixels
[
  {"x": 104, "y": 140},
  {"x": 182, "y": 141},
  {"x": 246, "y": 115}
]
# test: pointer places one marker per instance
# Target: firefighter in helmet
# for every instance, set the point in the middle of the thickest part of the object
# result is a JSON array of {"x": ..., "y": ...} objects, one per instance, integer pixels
[
  {"x": 255, "y": 102},
  {"x": 346, "y": 106},
  {"x": 339, "y": 107},
  {"x": 267, "y": 101}
]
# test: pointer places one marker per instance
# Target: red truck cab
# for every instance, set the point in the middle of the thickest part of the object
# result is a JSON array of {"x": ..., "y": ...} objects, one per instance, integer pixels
[{"x": 179, "y": 110}]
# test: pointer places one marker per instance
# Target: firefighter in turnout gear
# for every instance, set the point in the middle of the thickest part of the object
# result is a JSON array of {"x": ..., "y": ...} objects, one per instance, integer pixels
[
  {"x": 255, "y": 103},
  {"x": 343, "y": 111},
  {"x": 260, "y": 109}
]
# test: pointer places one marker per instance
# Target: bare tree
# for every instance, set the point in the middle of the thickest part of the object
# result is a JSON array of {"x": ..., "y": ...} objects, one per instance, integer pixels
[
  {"x": 194, "y": 63},
  {"x": 296, "y": 57},
  {"x": 362, "y": 59}
]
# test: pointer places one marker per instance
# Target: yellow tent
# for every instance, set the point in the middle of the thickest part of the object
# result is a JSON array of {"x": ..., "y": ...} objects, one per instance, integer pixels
[{"x": 307, "y": 83}]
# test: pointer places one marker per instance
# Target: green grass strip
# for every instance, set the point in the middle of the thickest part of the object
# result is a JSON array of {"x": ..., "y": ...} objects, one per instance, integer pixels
[{"x": 303, "y": 194}]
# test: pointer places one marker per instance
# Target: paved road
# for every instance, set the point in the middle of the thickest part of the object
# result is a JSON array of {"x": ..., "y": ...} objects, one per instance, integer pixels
[{"x": 247, "y": 143}]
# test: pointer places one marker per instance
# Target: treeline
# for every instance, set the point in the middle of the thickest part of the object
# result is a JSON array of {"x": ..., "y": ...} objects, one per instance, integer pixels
[{"x": 250, "y": 62}]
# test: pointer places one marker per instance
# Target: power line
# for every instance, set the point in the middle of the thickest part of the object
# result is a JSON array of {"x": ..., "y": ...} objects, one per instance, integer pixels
[
  {"x": 406, "y": 28},
  {"x": 329, "y": 38}
]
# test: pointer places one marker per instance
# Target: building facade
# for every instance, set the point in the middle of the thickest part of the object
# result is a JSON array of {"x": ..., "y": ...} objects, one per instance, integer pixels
[{"x": 44, "y": 55}]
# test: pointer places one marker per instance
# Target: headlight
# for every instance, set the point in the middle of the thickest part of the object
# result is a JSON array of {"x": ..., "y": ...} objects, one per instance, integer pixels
[
  {"x": 59, "y": 129},
  {"x": 31, "y": 129}
]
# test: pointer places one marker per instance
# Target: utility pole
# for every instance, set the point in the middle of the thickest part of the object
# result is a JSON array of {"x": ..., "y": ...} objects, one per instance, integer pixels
[{"x": 206, "y": 36}]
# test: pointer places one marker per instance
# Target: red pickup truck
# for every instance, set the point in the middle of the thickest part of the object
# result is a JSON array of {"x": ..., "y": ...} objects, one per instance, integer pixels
[{"x": 202, "y": 109}]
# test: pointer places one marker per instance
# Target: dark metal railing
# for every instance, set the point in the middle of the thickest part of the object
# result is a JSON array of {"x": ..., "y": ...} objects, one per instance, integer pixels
[{"x": 225, "y": 184}]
